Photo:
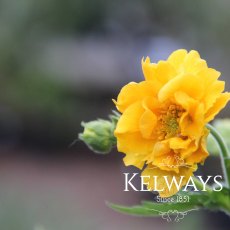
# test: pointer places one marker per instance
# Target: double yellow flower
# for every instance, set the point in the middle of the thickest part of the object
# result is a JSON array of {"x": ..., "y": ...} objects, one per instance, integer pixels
[{"x": 162, "y": 126}]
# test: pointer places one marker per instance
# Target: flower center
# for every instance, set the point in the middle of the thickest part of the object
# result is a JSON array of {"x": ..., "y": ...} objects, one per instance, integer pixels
[{"x": 169, "y": 122}]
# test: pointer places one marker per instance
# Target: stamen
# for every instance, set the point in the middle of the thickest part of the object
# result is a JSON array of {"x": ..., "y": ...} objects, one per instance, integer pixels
[{"x": 169, "y": 122}]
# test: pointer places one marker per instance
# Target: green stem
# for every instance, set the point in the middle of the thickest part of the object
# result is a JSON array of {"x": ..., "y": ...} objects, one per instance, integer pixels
[{"x": 224, "y": 153}]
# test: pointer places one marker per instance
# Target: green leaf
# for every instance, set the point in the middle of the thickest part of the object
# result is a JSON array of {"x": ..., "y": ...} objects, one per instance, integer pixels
[
  {"x": 220, "y": 200},
  {"x": 149, "y": 208},
  {"x": 133, "y": 210}
]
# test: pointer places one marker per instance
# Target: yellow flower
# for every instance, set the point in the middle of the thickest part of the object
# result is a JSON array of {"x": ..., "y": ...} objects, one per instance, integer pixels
[{"x": 164, "y": 116}]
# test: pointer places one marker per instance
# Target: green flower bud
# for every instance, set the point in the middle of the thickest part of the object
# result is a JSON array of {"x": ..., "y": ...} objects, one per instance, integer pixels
[{"x": 98, "y": 135}]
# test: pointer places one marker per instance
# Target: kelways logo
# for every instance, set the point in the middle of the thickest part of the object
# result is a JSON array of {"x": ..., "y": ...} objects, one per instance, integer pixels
[
  {"x": 172, "y": 188},
  {"x": 171, "y": 182}
]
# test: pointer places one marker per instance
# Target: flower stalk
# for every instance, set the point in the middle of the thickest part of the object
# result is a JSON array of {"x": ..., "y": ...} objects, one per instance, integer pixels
[{"x": 224, "y": 153}]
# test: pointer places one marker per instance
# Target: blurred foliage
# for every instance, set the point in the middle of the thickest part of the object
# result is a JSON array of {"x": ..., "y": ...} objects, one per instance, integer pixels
[
  {"x": 50, "y": 110},
  {"x": 24, "y": 22},
  {"x": 43, "y": 106}
]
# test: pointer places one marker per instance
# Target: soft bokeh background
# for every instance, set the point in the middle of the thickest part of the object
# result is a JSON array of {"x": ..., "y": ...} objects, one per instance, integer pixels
[{"x": 61, "y": 62}]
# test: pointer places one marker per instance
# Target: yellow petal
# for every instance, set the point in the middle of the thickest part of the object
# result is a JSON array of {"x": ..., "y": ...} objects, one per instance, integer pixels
[
  {"x": 134, "y": 143},
  {"x": 212, "y": 93},
  {"x": 164, "y": 72},
  {"x": 159, "y": 150},
  {"x": 151, "y": 103},
  {"x": 183, "y": 99},
  {"x": 129, "y": 120},
  {"x": 179, "y": 143},
  {"x": 193, "y": 63},
  {"x": 161, "y": 183},
  {"x": 129, "y": 94},
  {"x": 192, "y": 147},
  {"x": 134, "y": 92},
  {"x": 185, "y": 62},
  {"x": 192, "y": 120},
  {"x": 201, "y": 154},
  {"x": 188, "y": 84},
  {"x": 148, "y": 69},
  {"x": 219, "y": 104},
  {"x": 136, "y": 160},
  {"x": 163, "y": 157},
  {"x": 147, "y": 123},
  {"x": 192, "y": 124},
  {"x": 177, "y": 57}
]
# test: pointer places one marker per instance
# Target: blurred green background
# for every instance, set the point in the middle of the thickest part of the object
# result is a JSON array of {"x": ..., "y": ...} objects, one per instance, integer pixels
[{"x": 61, "y": 62}]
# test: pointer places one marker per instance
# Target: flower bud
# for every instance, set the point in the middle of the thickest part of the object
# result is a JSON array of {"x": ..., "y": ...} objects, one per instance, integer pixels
[{"x": 98, "y": 135}]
